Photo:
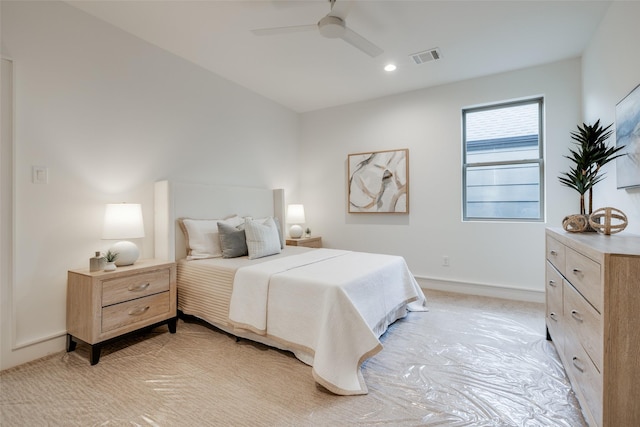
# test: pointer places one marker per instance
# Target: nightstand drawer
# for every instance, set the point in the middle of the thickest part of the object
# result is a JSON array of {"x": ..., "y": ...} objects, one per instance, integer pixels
[
  {"x": 135, "y": 286},
  {"x": 134, "y": 311}
]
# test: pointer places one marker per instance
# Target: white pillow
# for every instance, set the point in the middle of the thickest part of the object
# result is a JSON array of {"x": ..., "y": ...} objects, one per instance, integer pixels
[
  {"x": 276, "y": 221},
  {"x": 203, "y": 240},
  {"x": 262, "y": 237}
]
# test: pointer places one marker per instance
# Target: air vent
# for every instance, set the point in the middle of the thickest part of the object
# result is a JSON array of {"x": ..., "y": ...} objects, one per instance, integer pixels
[{"x": 426, "y": 56}]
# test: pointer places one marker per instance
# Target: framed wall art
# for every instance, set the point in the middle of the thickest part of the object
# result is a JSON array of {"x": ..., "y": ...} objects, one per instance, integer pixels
[
  {"x": 628, "y": 135},
  {"x": 379, "y": 182}
]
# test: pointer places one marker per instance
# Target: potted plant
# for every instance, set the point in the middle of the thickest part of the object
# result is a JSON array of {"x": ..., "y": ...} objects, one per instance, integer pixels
[
  {"x": 590, "y": 154},
  {"x": 110, "y": 258}
]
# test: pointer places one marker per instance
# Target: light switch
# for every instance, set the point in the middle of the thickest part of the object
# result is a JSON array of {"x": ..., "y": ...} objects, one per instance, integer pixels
[{"x": 40, "y": 174}]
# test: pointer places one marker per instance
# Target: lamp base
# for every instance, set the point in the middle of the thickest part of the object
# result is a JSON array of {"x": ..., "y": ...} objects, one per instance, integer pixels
[
  {"x": 127, "y": 252},
  {"x": 295, "y": 231}
]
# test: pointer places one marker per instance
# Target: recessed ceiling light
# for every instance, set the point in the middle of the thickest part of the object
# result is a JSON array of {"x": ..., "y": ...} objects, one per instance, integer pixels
[{"x": 390, "y": 67}]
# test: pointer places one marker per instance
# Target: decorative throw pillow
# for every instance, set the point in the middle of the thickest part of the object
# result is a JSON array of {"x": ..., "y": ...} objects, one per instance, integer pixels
[
  {"x": 277, "y": 222},
  {"x": 262, "y": 238},
  {"x": 203, "y": 240},
  {"x": 232, "y": 241}
]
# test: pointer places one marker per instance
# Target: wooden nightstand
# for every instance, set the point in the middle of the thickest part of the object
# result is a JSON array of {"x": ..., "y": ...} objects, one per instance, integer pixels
[
  {"x": 105, "y": 305},
  {"x": 307, "y": 242}
]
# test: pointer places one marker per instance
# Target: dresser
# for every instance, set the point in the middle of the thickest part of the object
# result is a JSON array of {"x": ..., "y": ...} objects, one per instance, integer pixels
[
  {"x": 102, "y": 306},
  {"x": 593, "y": 317},
  {"x": 307, "y": 242}
]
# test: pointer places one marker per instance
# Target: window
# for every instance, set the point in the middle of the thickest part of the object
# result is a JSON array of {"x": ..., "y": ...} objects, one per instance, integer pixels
[{"x": 502, "y": 162}]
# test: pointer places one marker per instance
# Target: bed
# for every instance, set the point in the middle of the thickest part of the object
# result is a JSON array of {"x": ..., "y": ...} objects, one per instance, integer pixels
[{"x": 327, "y": 306}]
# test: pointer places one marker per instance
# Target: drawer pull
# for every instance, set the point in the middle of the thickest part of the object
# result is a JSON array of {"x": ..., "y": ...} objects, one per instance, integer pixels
[
  {"x": 553, "y": 316},
  {"x": 576, "y": 271},
  {"x": 576, "y": 315},
  {"x": 554, "y": 253},
  {"x": 138, "y": 311},
  {"x": 139, "y": 287},
  {"x": 552, "y": 283},
  {"x": 577, "y": 364}
]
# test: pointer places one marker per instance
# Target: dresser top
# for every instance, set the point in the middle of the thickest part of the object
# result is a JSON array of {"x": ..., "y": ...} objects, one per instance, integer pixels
[{"x": 614, "y": 244}]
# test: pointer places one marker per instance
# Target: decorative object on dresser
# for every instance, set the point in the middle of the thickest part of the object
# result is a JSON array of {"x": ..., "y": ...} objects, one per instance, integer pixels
[
  {"x": 575, "y": 223},
  {"x": 590, "y": 154},
  {"x": 379, "y": 182},
  {"x": 110, "y": 260},
  {"x": 608, "y": 220},
  {"x": 97, "y": 262},
  {"x": 592, "y": 316},
  {"x": 123, "y": 221},
  {"x": 295, "y": 216},
  {"x": 106, "y": 305},
  {"x": 628, "y": 139},
  {"x": 307, "y": 242}
]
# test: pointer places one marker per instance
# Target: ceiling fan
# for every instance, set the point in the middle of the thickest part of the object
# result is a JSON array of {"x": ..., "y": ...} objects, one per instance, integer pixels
[{"x": 330, "y": 26}]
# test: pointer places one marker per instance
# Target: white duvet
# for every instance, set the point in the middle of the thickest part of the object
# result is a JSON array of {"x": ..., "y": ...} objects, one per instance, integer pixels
[{"x": 330, "y": 304}]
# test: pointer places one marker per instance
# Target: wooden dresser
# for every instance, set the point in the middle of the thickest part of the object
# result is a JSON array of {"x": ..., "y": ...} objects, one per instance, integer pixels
[
  {"x": 593, "y": 317},
  {"x": 105, "y": 305}
]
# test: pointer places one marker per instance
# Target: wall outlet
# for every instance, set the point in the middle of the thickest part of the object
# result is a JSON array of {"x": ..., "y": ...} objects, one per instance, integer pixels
[
  {"x": 39, "y": 174},
  {"x": 445, "y": 260}
]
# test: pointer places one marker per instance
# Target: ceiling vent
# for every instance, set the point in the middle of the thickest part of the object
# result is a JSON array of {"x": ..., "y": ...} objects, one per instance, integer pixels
[{"x": 426, "y": 56}]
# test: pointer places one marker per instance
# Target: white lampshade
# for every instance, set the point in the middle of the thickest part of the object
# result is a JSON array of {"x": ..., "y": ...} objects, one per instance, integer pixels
[
  {"x": 295, "y": 216},
  {"x": 123, "y": 221}
]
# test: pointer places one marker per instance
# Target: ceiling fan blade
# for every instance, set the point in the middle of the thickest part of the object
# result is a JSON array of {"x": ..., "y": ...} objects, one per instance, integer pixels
[
  {"x": 359, "y": 42},
  {"x": 284, "y": 30}
]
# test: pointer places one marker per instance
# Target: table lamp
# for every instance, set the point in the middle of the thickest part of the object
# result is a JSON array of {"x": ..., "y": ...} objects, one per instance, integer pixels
[
  {"x": 295, "y": 216},
  {"x": 123, "y": 221}
]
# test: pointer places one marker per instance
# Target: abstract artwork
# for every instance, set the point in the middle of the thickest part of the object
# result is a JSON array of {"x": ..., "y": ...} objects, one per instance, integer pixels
[
  {"x": 628, "y": 135},
  {"x": 379, "y": 182}
]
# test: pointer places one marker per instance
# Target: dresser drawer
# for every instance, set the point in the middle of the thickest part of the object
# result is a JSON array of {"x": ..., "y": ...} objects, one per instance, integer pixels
[
  {"x": 553, "y": 294},
  {"x": 556, "y": 254},
  {"x": 584, "y": 275},
  {"x": 135, "y": 286},
  {"x": 585, "y": 376},
  {"x": 585, "y": 323},
  {"x": 135, "y": 311}
]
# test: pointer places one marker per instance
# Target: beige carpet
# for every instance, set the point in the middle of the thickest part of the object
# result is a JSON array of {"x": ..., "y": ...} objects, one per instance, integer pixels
[{"x": 469, "y": 361}]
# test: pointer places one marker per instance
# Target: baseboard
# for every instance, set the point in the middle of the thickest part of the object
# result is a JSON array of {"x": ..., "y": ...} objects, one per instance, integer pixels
[{"x": 495, "y": 291}]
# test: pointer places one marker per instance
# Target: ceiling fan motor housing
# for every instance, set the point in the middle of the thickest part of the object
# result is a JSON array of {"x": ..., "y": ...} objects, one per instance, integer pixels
[{"x": 331, "y": 27}]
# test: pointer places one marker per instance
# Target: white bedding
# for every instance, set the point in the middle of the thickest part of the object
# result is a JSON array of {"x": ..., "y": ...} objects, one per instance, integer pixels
[{"x": 331, "y": 304}]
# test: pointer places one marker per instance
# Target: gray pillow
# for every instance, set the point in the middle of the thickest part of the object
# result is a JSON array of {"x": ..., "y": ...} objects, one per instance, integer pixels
[{"x": 232, "y": 241}]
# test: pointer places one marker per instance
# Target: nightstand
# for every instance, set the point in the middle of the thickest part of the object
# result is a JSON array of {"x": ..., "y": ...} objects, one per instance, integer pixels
[
  {"x": 307, "y": 242},
  {"x": 102, "y": 306}
]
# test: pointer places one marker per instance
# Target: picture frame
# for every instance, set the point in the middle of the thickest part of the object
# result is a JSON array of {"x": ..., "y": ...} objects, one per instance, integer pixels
[
  {"x": 628, "y": 135},
  {"x": 378, "y": 182}
]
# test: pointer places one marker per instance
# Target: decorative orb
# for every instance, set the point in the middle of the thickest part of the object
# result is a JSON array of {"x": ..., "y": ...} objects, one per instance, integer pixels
[
  {"x": 575, "y": 223},
  {"x": 295, "y": 231},
  {"x": 127, "y": 252},
  {"x": 608, "y": 220}
]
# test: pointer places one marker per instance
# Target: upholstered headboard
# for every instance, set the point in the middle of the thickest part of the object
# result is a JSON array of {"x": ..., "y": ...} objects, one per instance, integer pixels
[{"x": 174, "y": 200}]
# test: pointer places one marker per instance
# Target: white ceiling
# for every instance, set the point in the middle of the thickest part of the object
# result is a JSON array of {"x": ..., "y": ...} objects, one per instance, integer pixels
[{"x": 304, "y": 71}]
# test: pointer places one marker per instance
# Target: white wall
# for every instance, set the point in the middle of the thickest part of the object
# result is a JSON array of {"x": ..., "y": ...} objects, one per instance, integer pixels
[
  {"x": 611, "y": 70},
  {"x": 108, "y": 115},
  {"x": 506, "y": 255}
]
